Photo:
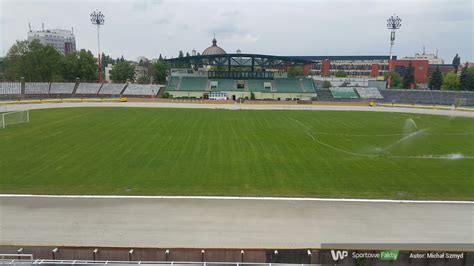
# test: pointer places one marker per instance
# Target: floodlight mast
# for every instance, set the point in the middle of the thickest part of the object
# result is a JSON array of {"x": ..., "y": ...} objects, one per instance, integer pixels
[
  {"x": 97, "y": 18},
  {"x": 393, "y": 23}
]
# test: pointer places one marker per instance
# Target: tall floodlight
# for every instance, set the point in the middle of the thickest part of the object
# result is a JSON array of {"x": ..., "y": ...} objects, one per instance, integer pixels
[
  {"x": 393, "y": 23},
  {"x": 97, "y": 18}
]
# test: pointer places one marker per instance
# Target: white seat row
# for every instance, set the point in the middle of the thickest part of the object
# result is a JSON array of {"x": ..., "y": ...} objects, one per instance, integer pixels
[
  {"x": 139, "y": 89},
  {"x": 88, "y": 88},
  {"x": 111, "y": 88},
  {"x": 37, "y": 87},
  {"x": 62, "y": 88},
  {"x": 369, "y": 93},
  {"x": 10, "y": 88}
]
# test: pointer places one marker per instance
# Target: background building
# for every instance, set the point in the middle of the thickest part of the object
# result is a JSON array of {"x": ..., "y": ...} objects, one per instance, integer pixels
[
  {"x": 62, "y": 40},
  {"x": 433, "y": 59},
  {"x": 354, "y": 65}
]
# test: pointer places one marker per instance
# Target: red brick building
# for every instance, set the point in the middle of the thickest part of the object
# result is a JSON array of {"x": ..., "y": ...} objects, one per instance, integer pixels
[{"x": 420, "y": 68}]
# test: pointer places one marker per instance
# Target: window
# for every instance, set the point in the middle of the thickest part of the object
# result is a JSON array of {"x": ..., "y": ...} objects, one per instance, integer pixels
[
  {"x": 267, "y": 85},
  {"x": 214, "y": 85},
  {"x": 240, "y": 84}
]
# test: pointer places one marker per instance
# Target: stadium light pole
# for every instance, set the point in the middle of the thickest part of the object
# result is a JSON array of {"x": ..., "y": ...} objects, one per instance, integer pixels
[
  {"x": 393, "y": 23},
  {"x": 97, "y": 18}
]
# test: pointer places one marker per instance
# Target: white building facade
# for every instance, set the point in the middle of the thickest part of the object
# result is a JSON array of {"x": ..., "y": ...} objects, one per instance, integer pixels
[{"x": 63, "y": 41}]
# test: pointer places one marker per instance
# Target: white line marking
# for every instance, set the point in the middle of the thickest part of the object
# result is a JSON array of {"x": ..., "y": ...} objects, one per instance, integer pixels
[{"x": 233, "y": 198}]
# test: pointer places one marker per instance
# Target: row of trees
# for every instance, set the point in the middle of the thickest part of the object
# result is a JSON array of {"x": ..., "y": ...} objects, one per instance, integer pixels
[
  {"x": 451, "y": 80},
  {"x": 34, "y": 61},
  {"x": 125, "y": 71}
]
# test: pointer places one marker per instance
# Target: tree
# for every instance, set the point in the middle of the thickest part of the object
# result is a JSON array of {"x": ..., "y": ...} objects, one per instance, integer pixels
[
  {"x": 451, "y": 81},
  {"x": 181, "y": 54},
  {"x": 122, "y": 71},
  {"x": 295, "y": 71},
  {"x": 252, "y": 95},
  {"x": 80, "y": 65},
  {"x": 436, "y": 80},
  {"x": 409, "y": 77},
  {"x": 160, "y": 58},
  {"x": 160, "y": 69},
  {"x": 187, "y": 54},
  {"x": 466, "y": 79},
  {"x": 143, "y": 80},
  {"x": 456, "y": 62},
  {"x": 395, "y": 79},
  {"x": 340, "y": 73},
  {"x": 327, "y": 84},
  {"x": 33, "y": 61},
  {"x": 2, "y": 69}
]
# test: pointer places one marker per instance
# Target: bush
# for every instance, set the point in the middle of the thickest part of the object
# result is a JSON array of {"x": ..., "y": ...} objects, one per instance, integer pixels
[
  {"x": 252, "y": 96},
  {"x": 340, "y": 73},
  {"x": 327, "y": 84}
]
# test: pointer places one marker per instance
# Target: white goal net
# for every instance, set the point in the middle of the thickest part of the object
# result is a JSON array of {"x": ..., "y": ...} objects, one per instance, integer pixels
[{"x": 14, "y": 117}]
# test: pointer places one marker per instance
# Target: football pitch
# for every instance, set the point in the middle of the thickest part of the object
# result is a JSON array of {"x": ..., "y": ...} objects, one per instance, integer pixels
[{"x": 148, "y": 151}]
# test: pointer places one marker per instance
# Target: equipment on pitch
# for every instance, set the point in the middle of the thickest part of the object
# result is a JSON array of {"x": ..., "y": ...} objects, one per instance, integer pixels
[{"x": 14, "y": 117}]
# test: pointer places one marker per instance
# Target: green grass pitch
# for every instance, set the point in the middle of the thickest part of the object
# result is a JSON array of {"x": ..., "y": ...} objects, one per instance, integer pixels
[{"x": 140, "y": 151}]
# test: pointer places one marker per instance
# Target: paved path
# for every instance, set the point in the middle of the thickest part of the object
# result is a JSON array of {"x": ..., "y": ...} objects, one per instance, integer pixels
[
  {"x": 245, "y": 107},
  {"x": 228, "y": 223}
]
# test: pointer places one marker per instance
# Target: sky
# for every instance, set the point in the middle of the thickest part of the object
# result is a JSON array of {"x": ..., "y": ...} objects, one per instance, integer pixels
[{"x": 325, "y": 27}]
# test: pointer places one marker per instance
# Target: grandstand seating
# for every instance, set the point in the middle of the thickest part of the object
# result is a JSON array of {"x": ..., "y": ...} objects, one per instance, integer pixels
[
  {"x": 287, "y": 85},
  {"x": 255, "y": 85},
  {"x": 10, "y": 88},
  {"x": 308, "y": 85},
  {"x": 369, "y": 93},
  {"x": 343, "y": 93},
  {"x": 143, "y": 90},
  {"x": 226, "y": 85},
  {"x": 62, "y": 88},
  {"x": 173, "y": 83},
  {"x": 426, "y": 97},
  {"x": 88, "y": 88},
  {"x": 111, "y": 88},
  {"x": 36, "y": 87},
  {"x": 324, "y": 95},
  {"x": 192, "y": 84}
]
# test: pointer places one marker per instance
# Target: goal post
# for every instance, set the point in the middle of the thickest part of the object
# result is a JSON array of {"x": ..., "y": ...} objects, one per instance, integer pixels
[{"x": 14, "y": 117}]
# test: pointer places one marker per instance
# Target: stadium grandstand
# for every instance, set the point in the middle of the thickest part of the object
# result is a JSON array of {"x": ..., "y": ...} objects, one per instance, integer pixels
[
  {"x": 142, "y": 90},
  {"x": 196, "y": 86},
  {"x": 62, "y": 88},
  {"x": 10, "y": 88},
  {"x": 242, "y": 86},
  {"x": 37, "y": 88},
  {"x": 88, "y": 88},
  {"x": 19, "y": 90}
]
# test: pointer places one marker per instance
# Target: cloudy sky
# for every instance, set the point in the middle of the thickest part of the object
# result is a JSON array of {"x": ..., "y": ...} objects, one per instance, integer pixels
[{"x": 324, "y": 27}]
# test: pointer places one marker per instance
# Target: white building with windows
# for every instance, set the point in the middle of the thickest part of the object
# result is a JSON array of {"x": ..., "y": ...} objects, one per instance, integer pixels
[{"x": 62, "y": 40}]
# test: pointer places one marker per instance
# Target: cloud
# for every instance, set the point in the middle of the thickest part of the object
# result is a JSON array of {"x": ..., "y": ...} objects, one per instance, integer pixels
[
  {"x": 161, "y": 21},
  {"x": 281, "y": 27},
  {"x": 145, "y": 5}
]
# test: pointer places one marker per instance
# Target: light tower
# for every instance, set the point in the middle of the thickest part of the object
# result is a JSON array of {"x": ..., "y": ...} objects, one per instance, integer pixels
[
  {"x": 393, "y": 23},
  {"x": 97, "y": 18}
]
